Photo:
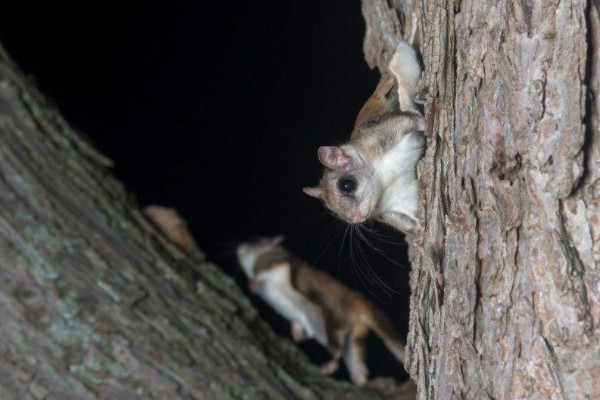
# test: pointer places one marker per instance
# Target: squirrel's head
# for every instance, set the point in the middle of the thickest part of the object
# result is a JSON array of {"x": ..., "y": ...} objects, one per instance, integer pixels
[
  {"x": 248, "y": 253},
  {"x": 349, "y": 186}
]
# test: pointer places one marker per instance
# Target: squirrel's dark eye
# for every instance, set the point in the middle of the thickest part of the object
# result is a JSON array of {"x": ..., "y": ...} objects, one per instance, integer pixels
[{"x": 347, "y": 185}]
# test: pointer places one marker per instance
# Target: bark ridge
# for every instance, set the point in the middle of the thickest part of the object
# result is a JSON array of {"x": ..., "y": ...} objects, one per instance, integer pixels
[
  {"x": 96, "y": 304},
  {"x": 506, "y": 276}
]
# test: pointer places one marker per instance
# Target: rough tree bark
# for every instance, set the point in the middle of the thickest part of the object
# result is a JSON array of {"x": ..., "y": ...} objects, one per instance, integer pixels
[
  {"x": 96, "y": 304},
  {"x": 505, "y": 279}
]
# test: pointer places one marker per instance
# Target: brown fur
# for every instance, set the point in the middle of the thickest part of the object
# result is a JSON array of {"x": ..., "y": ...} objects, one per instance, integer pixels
[
  {"x": 388, "y": 117},
  {"x": 348, "y": 315}
]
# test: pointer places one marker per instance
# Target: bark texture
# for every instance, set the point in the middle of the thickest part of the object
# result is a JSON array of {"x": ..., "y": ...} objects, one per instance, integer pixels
[
  {"x": 96, "y": 304},
  {"x": 505, "y": 299}
]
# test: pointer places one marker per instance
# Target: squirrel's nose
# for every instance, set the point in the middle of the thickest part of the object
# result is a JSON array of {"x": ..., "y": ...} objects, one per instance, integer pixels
[{"x": 357, "y": 217}]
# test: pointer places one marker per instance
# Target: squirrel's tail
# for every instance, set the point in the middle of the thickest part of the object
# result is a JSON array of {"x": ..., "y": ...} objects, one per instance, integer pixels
[{"x": 387, "y": 332}]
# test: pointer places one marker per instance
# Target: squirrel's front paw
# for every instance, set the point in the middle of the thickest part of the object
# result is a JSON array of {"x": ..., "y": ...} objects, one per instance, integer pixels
[{"x": 298, "y": 333}]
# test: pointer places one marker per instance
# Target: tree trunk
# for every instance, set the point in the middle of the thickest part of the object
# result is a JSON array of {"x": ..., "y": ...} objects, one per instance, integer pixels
[
  {"x": 505, "y": 299},
  {"x": 96, "y": 304}
]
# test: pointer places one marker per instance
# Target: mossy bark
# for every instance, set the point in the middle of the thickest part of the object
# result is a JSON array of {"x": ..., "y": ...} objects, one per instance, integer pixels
[
  {"x": 96, "y": 304},
  {"x": 505, "y": 283}
]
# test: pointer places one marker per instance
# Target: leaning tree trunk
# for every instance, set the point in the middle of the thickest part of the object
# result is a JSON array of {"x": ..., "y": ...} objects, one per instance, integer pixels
[
  {"x": 505, "y": 299},
  {"x": 95, "y": 304}
]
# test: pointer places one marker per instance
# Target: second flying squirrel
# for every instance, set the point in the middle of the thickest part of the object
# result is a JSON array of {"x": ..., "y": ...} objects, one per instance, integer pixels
[
  {"x": 373, "y": 175},
  {"x": 317, "y": 306}
]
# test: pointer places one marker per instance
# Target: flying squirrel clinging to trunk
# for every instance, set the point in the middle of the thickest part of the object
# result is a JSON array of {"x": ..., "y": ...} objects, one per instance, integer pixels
[
  {"x": 373, "y": 175},
  {"x": 318, "y": 306}
]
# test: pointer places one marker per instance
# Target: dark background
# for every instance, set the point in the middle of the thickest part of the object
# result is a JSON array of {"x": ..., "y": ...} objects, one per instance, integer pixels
[{"x": 217, "y": 109}]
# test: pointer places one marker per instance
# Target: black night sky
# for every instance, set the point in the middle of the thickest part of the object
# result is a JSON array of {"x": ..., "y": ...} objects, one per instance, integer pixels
[{"x": 217, "y": 109}]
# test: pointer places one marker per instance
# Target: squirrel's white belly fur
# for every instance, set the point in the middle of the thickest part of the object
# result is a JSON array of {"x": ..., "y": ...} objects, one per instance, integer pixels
[
  {"x": 291, "y": 304},
  {"x": 396, "y": 170}
]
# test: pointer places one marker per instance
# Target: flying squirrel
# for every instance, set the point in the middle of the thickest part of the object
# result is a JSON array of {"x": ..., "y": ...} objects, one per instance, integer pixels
[
  {"x": 318, "y": 306},
  {"x": 373, "y": 175}
]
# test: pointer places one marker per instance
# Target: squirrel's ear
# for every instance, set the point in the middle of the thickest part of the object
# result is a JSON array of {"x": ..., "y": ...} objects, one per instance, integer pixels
[
  {"x": 313, "y": 192},
  {"x": 277, "y": 239},
  {"x": 333, "y": 157}
]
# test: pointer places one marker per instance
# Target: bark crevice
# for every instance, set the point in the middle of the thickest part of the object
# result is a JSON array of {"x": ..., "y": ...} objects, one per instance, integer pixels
[
  {"x": 96, "y": 303},
  {"x": 505, "y": 277}
]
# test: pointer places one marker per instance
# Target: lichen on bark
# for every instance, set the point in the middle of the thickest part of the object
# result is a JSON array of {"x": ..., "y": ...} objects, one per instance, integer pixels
[{"x": 95, "y": 303}]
